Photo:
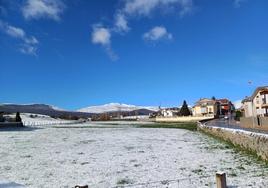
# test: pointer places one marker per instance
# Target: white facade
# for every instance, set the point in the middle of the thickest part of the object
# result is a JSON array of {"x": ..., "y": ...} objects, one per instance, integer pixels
[
  {"x": 168, "y": 113},
  {"x": 248, "y": 110},
  {"x": 257, "y": 104}
]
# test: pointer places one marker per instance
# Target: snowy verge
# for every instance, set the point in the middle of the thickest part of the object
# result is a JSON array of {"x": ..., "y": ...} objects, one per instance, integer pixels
[{"x": 251, "y": 141}]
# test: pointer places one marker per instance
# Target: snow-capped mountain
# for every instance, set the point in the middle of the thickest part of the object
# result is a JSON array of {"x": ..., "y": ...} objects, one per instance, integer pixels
[{"x": 114, "y": 107}]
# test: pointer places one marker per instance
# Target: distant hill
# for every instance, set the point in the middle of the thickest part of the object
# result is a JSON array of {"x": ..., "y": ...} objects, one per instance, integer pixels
[
  {"x": 117, "y": 107},
  {"x": 112, "y": 109},
  {"x": 43, "y": 109},
  {"x": 138, "y": 112}
]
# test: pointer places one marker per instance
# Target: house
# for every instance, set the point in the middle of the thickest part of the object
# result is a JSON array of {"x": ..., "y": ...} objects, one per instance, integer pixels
[
  {"x": 247, "y": 107},
  {"x": 255, "y": 110},
  {"x": 169, "y": 112},
  {"x": 257, "y": 104},
  {"x": 206, "y": 107},
  {"x": 225, "y": 106}
]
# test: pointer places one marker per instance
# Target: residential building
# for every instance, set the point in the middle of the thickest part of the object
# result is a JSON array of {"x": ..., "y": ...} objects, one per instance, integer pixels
[
  {"x": 257, "y": 104},
  {"x": 225, "y": 106},
  {"x": 255, "y": 110},
  {"x": 206, "y": 107},
  {"x": 247, "y": 107},
  {"x": 169, "y": 112}
]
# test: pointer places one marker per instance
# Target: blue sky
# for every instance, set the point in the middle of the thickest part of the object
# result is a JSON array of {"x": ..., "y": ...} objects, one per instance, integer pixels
[{"x": 74, "y": 54}]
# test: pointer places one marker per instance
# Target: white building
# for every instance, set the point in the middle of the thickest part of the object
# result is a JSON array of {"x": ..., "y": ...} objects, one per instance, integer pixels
[
  {"x": 169, "y": 112},
  {"x": 257, "y": 104}
]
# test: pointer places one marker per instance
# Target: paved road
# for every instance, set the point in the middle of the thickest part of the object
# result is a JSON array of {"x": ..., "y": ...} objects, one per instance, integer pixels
[{"x": 232, "y": 124}]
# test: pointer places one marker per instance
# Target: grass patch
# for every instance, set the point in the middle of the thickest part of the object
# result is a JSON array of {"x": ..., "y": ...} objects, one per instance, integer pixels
[
  {"x": 239, "y": 149},
  {"x": 187, "y": 126},
  {"x": 197, "y": 171},
  {"x": 124, "y": 181},
  {"x": 232, "y": 174}
]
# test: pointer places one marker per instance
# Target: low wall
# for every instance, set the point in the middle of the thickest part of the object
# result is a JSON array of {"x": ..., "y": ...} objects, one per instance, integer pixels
[
  {"x": 182, "y": 119},
  {"x": 10, "y": 124},
  {"x": 251, "y": 141},
  {"x": 261, "y": 124}
]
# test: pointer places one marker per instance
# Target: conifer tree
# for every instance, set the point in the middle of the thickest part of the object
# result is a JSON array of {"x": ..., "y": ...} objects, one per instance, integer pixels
[
  {"x": 184, "y": 111},
  {"x": 18, "y": 118}
]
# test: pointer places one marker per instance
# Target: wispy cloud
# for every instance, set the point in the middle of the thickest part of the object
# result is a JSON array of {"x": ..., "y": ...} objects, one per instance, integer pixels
[
  {"x": 121, "y": 23},
  {"x": 28, "y": 43},
  {"x": 14, "y": 31},
  {"x": 102, "y": 36},
  {"x": 237, "y": 3},
  {"x": 35, "y": 9},
  {"x": 146, "y": 7},
  {"x": 142, "y": 8},
  {"x": 157, "y": 33}
]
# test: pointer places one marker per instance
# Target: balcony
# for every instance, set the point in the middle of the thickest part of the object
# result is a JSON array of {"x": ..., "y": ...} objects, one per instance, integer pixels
[{"x": 264, "y": 105}]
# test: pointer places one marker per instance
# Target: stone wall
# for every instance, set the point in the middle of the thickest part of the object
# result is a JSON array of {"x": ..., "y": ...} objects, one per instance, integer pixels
[
  {"x": 264, "y": 121},
  {"x": 261, "y": 124},
  {"x": 182, "y": 119},
  {"x": 251, "y": 141}
]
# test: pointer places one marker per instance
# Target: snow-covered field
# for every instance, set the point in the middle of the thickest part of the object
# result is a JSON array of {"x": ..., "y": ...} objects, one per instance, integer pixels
[
  {"x": 41, "y": 120},
  {"x": 109, "y": 157}
]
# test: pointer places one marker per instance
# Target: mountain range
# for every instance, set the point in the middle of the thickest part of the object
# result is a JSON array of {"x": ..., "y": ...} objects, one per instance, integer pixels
[
  {"x": 111, "y": 109},
  {"x": 116, "y": 107}
]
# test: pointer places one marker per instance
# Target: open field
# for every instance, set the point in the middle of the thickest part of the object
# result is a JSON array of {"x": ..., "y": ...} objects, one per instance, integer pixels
[{"x": 122, "y": 155}]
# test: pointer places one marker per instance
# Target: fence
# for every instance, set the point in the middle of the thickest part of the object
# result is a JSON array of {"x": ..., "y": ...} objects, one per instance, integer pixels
[
  {"x": 189, "y": 182},
  {"x": 44, "y": 123}
]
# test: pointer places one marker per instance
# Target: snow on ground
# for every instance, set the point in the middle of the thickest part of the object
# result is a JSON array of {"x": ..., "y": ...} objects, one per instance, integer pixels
[
  {"x": 39, "y": 120},
  {"x": 64, "y": 157}
]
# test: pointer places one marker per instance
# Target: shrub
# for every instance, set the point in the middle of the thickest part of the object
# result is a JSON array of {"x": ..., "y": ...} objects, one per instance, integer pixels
[{"x": 238, "y": 115}]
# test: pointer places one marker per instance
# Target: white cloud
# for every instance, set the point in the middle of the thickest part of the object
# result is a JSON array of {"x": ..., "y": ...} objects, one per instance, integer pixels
[
  {"x": 142, "y": 8},
  {"x": 145, "y": 7},
  {"x": 28, "y": 49},
  {"x": 121, "y": 23},
  {"x": 28, "y": 43},
  {"x": 35, "y": 9},
  {"x": 157, "y": 33},
  {"x": 31, "y": 40},
  {"x": 102, "y": 36},
  {"x": 15, "y": 32},
  {"x": 133, "y": 8},
  {"x": 237, "y": 3}
]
